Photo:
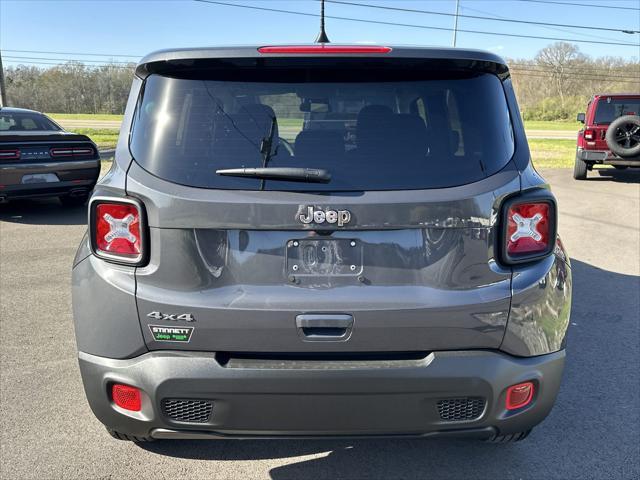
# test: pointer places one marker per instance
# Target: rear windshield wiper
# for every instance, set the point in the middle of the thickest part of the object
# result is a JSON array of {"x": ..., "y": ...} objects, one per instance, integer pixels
[{"x": 292, "y": 174}]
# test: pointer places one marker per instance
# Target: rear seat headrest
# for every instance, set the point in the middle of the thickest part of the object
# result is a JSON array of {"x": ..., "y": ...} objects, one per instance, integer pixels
[
  {"x": 410, "y": 133},
  {"x": 373, "y": 125},
  {"x": 310, "y": 143}
]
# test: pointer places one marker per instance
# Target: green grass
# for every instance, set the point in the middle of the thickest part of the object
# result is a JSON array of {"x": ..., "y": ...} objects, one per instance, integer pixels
[
  {"x": 85, "y": 116},
  {"x": 103, "y": 137},
  {"x": 290, "y": 122},
  {"x": 547, "y": 153},
  {"x": 555, "y": 125}
]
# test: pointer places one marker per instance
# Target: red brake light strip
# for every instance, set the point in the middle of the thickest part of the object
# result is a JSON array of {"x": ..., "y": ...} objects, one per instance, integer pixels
[{"x": 325, "y": 49}]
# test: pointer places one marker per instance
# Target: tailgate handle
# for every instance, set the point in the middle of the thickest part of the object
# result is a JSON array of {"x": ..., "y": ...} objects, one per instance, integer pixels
[{"x": 319, "y": 327}]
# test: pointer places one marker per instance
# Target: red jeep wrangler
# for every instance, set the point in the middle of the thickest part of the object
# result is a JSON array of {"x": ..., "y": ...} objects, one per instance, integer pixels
[{"x": 611, "y": 133}]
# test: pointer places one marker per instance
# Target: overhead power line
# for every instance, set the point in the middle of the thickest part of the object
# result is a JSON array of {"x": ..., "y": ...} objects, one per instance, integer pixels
[
  {"x": 409, "y": 25},
  {"x": 591, "y": 5},
  {"x": 61, "y": 63},
  {"x": 581, "y": 75},
  {"x": 563, "y": 30},
  {"x": 479, "y": 17},
  {"x": 73, "y": 53},
  {"x": 110, "y": 62}
]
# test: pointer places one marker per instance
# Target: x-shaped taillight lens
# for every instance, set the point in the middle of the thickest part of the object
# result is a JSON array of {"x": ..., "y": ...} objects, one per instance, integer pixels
[
  {"x": 530, "y": 229},
  {"x": 117, "y": 231}
]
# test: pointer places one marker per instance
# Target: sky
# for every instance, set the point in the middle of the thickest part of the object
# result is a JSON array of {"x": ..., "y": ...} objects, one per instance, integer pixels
[{"x": 119, "y": 28}]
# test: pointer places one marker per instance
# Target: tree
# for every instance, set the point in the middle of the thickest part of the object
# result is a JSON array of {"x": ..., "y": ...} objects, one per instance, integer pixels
[{"x": 557, "y": 58}]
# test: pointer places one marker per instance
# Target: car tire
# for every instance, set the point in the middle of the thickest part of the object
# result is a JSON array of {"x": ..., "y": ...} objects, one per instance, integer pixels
[
  {"x": 128, "y": 438},
  {"x": 76, "y": 201},
  {"x": 580, "y": 169},
  {"x": 512, "y": 437},
  {"x": 623, "y": 136}
]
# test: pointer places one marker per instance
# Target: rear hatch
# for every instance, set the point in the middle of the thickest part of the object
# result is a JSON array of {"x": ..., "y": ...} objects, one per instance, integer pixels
[{"x": 394, "y": 253}]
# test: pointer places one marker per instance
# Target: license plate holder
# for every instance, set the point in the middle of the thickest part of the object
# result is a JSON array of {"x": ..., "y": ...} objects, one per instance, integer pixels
[
  {"x": 40, "y": 178},
  {"x": 324, "y": 257}
]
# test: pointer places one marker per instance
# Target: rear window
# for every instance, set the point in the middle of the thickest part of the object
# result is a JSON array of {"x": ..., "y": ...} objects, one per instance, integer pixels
[
  {"x": 370, "y": 135},
  {"x": 608, "y": 109},
  {"x": 25, "y": 122}
]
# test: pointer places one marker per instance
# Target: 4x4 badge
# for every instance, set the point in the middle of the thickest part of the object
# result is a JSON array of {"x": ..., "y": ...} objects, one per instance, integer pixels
[
  {"x": 172, "y": 317},
  {"x": 341, "y": 217}
]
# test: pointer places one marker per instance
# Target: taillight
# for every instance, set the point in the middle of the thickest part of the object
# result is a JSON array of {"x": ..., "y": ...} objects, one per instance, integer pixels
[
  {"x": 71, "y": 152},
  {"x": 325, "y": 49},
  {"x": 519, "y": 395},
  {"x": 529, "y": 227},
  {"x": 118, "y": 230},
  {"x": 10, "y": 154},
  {"x": 589, "y": 134},
  {"x": 126, "y": 397}
]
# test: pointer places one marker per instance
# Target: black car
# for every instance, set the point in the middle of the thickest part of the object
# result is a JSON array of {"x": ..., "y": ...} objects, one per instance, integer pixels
[{"x": 38, "y": 158}]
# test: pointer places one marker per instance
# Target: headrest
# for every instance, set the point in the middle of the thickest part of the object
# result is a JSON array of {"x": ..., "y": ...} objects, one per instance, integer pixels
[
  {"x": 410, "y": 134},
  {"x": 313, "y": 143},
  {"x": 373, "y": 127}
]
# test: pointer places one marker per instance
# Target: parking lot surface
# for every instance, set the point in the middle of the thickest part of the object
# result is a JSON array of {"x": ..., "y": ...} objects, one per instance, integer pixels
[{"x": 48, "y": 430}]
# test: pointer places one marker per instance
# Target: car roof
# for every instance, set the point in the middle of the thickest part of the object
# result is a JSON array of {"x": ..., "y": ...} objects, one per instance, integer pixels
[
  {"x": 600, "y": 95},
  {"x": 396, "y": 52},
  {"x": 18, "y": 110}
]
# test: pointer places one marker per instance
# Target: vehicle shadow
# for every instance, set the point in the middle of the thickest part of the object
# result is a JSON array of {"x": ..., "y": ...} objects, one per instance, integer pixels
[
  {"x": 629, "y": 175},
  {"x": 47, "y": 211},
  {"x": 593, "y": 431}
]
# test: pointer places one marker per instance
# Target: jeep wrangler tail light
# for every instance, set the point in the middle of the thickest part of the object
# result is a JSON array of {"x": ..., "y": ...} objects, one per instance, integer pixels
[
  {"x": 118, "y": 230},
  {"x": 529, "y": 227},
  {"x": 589, "y": 135},
  {"x": 126, "y": 397}
]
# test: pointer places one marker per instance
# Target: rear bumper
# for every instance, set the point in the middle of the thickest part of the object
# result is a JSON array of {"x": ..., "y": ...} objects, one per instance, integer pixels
[
  {"x": 605, "y": 157},
  {"x": 73, "y": 176},
  {"x": 274, "y": 398}
]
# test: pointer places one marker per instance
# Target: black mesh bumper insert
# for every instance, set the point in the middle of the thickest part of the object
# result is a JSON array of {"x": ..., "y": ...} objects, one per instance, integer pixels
[
  {"x": 191, "y": 411},
  {"x": 457, "y": 409}
]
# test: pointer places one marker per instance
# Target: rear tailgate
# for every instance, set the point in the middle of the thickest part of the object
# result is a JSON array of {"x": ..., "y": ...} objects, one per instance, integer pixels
[{"x": 412, "y": 269}]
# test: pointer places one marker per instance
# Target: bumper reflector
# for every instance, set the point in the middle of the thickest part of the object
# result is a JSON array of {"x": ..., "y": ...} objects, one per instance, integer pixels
[
  {"x": 126, "y": 397},
  {"x": 519, "y": 395}
]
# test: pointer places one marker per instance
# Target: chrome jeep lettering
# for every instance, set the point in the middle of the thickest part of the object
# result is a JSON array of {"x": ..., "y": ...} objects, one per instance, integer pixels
[{"x": 341, "y": 217}]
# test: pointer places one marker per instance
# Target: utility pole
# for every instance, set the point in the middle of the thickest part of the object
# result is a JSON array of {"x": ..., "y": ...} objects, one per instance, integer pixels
[
  {"x": 3, "y": 91},
  {"x": 455, "y": 24}
]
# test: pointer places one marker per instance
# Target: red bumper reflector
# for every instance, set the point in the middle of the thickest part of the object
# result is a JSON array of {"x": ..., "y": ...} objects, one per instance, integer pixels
[
  {"x": 325, "y": 49},
  {"x": 519, "y": 395},
  {"x": 126, "y": 397}
]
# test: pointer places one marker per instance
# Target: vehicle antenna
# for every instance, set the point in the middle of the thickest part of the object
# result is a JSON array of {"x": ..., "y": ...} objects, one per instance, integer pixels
[{"x": 322, "y": 36}]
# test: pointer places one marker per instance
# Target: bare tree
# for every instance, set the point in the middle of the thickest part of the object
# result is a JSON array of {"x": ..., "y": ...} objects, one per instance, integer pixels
[{"x": 557, "y": 58}]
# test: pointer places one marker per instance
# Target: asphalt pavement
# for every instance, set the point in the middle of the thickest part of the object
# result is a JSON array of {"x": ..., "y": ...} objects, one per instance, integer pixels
[{"x": 49, "y": 432}]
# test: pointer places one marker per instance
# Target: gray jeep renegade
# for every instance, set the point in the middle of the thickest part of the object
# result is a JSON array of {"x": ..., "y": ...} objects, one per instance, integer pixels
[{"x": 321, "y": 241}]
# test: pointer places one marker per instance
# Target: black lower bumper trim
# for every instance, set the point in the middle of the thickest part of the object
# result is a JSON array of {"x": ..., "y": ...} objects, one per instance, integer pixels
[{"x": 168, "y": 434}]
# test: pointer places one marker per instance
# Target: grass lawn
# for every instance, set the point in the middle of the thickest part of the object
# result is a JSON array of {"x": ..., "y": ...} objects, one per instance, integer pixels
[
  {"x": 85, "y": 116},
  {"x": 547, "y": 153},
  {"x": 556, "y": 125},
  {"x": 103, "y": 137}
]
